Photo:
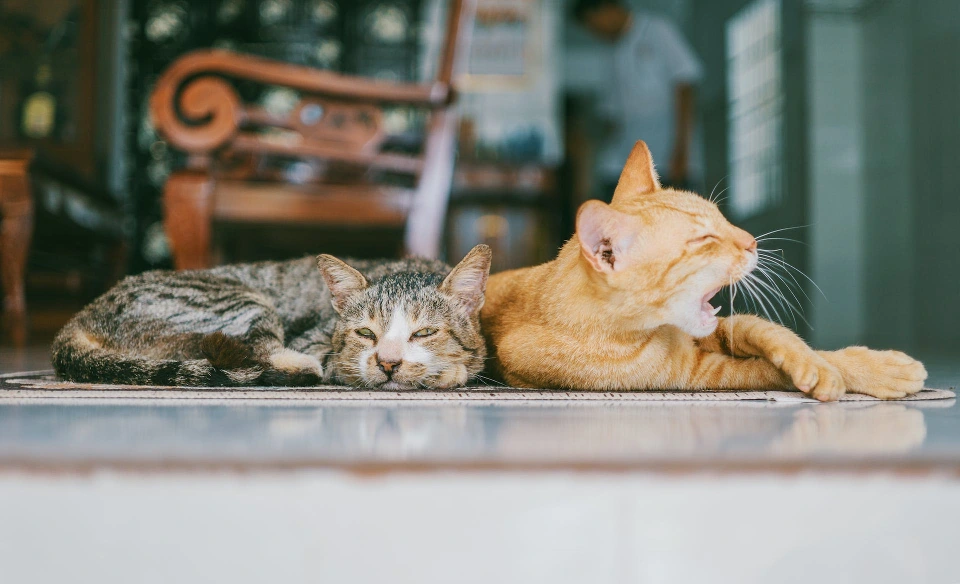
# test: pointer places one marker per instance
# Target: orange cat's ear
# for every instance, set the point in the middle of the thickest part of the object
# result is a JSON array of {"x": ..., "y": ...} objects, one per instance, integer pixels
[
  {"x": 604, "y": 235},
  {"x": 639, "y": 177}
]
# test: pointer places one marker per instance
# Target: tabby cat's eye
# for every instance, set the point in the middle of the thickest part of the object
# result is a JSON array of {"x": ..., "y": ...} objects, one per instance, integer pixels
[
  {"x": 366, "y": 333},
  {"x": 424, "y": 332}
]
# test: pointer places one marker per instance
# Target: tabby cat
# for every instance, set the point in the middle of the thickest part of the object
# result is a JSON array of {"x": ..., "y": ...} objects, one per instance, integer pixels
[
  {"x": 380, "y": 324},
  {"x": 626, "y": 305}
]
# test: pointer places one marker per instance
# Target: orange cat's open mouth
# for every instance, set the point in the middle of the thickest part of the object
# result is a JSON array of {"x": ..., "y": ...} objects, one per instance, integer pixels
[{"x": 708, "y": 313}]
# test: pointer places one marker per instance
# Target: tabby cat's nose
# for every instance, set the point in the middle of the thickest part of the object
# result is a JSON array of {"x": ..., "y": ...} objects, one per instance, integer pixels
[{"x": 388, "y": 367}]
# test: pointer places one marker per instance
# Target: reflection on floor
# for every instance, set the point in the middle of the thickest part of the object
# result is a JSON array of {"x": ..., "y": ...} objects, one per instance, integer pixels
[
  {"x": 122, "y": 490},
  {"x": 525, "y": 434}
]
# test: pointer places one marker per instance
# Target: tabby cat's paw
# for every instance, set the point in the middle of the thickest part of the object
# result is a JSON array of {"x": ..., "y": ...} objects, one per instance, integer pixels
[
  {"x": 451, "y": 377},
  {"x": 294, "y": 368},
  {"x": 881, "y": 374},
  {"x": 813, "y": 375}
]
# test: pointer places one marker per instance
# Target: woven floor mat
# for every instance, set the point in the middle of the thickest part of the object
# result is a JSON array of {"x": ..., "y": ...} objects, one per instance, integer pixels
[{"x": 44, "y": 385}]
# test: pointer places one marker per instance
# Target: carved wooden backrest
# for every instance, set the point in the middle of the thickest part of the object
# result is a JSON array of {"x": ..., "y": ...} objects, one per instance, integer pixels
[{"x": 339, "y": 118}]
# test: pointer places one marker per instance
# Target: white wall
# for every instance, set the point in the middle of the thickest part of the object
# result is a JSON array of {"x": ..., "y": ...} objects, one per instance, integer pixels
[
  {"x": 836, "y": 178},
  {"x": 477, "y": 527},
  {"x": 888, "y": 169},
  {"x": 884, "y": 100},
  {"x": 935, "y": 185}
]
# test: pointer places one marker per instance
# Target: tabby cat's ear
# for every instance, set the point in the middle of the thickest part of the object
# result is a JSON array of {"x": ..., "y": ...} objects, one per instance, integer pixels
[
  {"x": 604, "y": 235},
  {"x": 466, "y": 284},
  {"x": 342, "y": 280},
  {"x": 639, "y": 177}
]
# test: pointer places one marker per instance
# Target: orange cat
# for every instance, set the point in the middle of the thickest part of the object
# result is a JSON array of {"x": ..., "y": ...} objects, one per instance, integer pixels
[{"x": 626, "y": 305}]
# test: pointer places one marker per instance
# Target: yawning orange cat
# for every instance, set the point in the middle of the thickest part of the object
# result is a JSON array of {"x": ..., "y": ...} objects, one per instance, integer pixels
[{"x": 626, "y": 305}]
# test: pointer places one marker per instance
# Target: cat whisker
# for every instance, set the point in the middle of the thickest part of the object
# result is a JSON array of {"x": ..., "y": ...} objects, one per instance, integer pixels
[
  {"x": 774, "y": 288},
  {"x": 771, "y": 265},
  {"x": 763, "y": 290},
  {"x": 777, "y": 262},
  {"x": 710, "y": 198},
  {"x": 752, "y": 291},
  {"x": 753, "y": 302},
  {"x": 796, "y": 307},
  {"x": 489, "y": 381},
  {"x": 772, "y": 301},
  {"x": 771, "y": 272},
  {"x": 748, "y": 300},
  {"x": 765, "y": 277},
  {"x": 719, "y": 200},
  {"x": 353, "y": 384},
  {"x": 787, "y": 265},
  {"x": 733, "y": 295},
  {"x": 754, "y": 305},
  {"x": 766, "y": 239},
  {"x": 768, "y": 271},
  {"x": 761, "y": 236}
]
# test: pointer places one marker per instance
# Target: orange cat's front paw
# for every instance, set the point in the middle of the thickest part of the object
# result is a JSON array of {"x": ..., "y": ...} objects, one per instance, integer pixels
[
  {"x": 881, "y": 374},
  {"x": 812, "y": 374}
]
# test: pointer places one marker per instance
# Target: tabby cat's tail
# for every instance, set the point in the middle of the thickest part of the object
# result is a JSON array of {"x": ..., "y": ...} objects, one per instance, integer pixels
[{"x": 79, "y": 357}]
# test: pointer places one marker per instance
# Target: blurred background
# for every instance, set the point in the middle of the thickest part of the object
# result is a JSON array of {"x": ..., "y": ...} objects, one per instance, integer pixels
[
  {"x": 836, "y": 121},
  {"x": 149, "y": 134}
]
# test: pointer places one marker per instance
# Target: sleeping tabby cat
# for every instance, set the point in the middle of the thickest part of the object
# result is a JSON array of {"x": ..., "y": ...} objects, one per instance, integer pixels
[
  {"x": 626, "y": 305},
  {"x": 391, "y": 325}
]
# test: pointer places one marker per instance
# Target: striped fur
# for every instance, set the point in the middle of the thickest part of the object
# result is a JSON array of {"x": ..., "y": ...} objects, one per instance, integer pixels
[
  {"x": 261, "y": 324},
  {"x": 400, "y": 306},
  {"x": 625, "y": 306}
]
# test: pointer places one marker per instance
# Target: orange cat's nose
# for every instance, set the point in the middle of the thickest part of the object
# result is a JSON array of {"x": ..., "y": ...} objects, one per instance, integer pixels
[{"x": 745, "y": 241}]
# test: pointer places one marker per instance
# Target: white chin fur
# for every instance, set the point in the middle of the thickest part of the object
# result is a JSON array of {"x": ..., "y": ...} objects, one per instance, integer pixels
[
  {"x": 694, "y": 320},
  {"x": 698, "y": 324},
  {"x": 394, "y": 386},
  {"x": 700, "y": 329}
]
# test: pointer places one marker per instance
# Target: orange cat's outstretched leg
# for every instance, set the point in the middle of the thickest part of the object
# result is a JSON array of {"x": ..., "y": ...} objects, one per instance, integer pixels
[
  {"x": 823, "y": 374},
  {"x": 720, "y": 372},
  {"x": 882, "y": 374},
  {"x": 530, "y": 358},
  {"x": 745, "y": 335}
]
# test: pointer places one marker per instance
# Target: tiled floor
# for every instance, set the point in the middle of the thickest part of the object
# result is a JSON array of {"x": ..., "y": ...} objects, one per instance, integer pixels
[
  {"x": 191, "y": 490},
  {"x": 524, "y": 435}
]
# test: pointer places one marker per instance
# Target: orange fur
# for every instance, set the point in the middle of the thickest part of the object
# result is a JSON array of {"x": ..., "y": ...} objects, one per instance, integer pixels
[{"x": 621, "y": 308}]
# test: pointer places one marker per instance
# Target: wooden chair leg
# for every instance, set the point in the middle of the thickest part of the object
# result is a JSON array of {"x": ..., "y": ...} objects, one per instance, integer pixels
[
  {"x": 188, "y": 209},
  {"x": 16, "y": 231},
  {"x": 425, "y": 224}
]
